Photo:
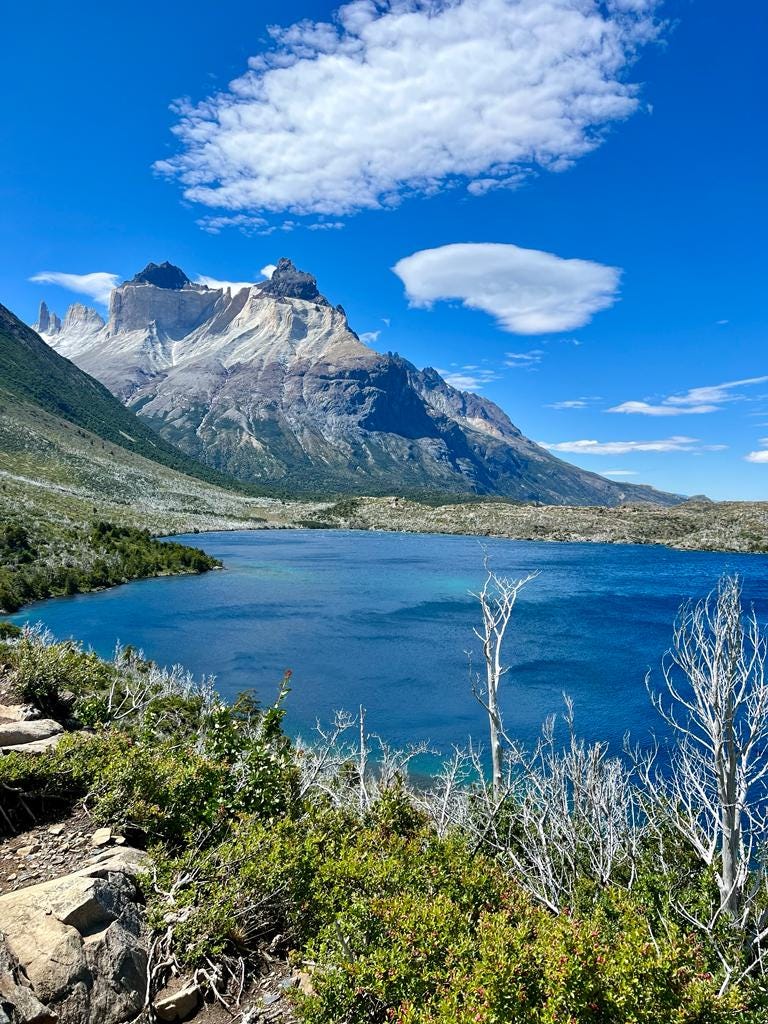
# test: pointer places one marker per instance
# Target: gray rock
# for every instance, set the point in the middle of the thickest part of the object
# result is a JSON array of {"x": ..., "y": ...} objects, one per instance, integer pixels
[
  {"x": 178, "y": 1004},
  {"x": 101, "y": 837},
  {"x": 14, "y": 733},
  {"x": 18, "y": 712},
  {"x": 35, "y": 747},
  {"x": 79, "y": 942}
]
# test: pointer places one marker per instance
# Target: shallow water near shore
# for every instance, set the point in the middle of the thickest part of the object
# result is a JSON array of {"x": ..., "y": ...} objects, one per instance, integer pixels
[{"x": 384, "y": 620}]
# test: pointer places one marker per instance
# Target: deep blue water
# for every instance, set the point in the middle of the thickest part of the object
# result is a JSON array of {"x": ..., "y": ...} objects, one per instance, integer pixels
[{"x": 384, "y": 620}]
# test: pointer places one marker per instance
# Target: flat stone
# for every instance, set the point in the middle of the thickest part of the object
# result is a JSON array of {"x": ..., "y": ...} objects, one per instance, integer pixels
[
  {"x": 56, "y": 830},
  {"x": 34, "y": 747},
  {"x": 304, "y": 983},
  {"x": 14, "y": 733},
  {"x": 173, "y": 1006},
  {"x": 101, "y": 837},
  {"x": 125, "y": 858}
]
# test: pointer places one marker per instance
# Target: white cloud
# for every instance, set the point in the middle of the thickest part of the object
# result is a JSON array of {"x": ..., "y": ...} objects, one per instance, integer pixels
[
  {"x": 370, "y": 337},
  {"x": 523, "y": 360},
  {"x": 670, "y": 444},
  {"x": 97, "y": 286},
  {"x": 695, "y": 401},
  {"x": 269, "y": 270},
  {"x": 527, "y": 291},
  {"x": 469, "y": 378},
  {"x": 759, "y": 456},
  {"x": 572, "y": 403},
  {"x": 646, "y": 409},
  {"x": 212, "y": 282},
  {"x": 618, "y": 472},
  {"x": 326, "y": 225},
  {"x": 244, "y": 223},
  {"x": 409, "y": 97}
]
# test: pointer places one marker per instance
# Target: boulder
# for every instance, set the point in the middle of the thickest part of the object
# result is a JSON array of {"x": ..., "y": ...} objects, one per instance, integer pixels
[
  {"x": 79, "y": 943},
  {"x": 14, "y": 733},
  {"x": 17, "y": 1001},
  {"x": 34, "y": 747},
  {"x": 18, "y": 712}
]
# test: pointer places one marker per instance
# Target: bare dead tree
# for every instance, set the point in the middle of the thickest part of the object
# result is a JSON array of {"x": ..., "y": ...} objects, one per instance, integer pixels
[
  {"x": 353, "y": 774},
  {"x": 575, "y": 814},
  {"x": 716, "y": 704},
  {"x": 497, "y": 599}
]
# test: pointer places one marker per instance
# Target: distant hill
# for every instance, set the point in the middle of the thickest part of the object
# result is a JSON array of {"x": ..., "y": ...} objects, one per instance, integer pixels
[
  {"x": 272, "y": 386},
  {"x": 32, "y": 372}
]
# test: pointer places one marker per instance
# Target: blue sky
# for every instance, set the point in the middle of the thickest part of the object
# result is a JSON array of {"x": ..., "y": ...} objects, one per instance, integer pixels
[{"x": 481, "y": 150}]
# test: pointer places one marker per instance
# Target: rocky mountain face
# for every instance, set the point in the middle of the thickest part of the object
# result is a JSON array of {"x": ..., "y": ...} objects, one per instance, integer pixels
[
  {"x": 37, "y": 382},
  {"x": 272, "y": 385}
]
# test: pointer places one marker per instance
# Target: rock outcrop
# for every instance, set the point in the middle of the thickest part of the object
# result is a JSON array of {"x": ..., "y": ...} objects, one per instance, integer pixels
[
  {"x": 273, "y": 386},
  {"x": 73, "y": 949},
  {"x": 22, "y": 730}
]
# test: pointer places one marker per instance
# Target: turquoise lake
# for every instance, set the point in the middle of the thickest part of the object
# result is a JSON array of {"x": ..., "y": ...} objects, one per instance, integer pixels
[{"x": 384, "y": 620}]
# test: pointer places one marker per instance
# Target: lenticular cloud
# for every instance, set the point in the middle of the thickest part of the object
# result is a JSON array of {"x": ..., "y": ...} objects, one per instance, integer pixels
[
  {"x": 411, "y": 97},
  {"x": 526, "y": 290}
]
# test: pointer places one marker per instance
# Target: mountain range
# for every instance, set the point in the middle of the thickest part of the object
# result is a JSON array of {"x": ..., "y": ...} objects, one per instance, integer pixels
[{"x": 271, "y": 385}]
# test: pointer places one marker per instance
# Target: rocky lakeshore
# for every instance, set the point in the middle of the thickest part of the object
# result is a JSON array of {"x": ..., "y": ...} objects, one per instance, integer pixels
[{"x": 694, "y": 525}]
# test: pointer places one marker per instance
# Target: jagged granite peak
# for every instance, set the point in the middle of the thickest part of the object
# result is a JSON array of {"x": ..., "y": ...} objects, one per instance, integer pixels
[
  {"x": 79, "y": 315},
  {"x": 272, "y": 386},
  {"x": 162, "y": 275},
  {"x": 47, "y": 321},
  {"x": 287, "y": 282}
]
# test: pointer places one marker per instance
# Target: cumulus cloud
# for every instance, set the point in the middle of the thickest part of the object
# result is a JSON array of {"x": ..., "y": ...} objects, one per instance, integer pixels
[
  {"x": 693, "y": 402},
  {"x": 408, "y": 97},
  {"x": 98, "y": 285},
  {"x": 669, "y": 444},
  {"x": 370, "y": 337},
  {"x": 212, "y": 282},
  {"x": 759, "y": 456},
  {"x": 269, "y": 270},
  {"x": 526, "y": 290}
]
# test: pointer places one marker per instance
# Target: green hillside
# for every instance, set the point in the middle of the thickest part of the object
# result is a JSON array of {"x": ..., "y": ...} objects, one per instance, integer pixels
[
  {"x": 84, "y": 484},
  {"x": 32, "y": 371}
]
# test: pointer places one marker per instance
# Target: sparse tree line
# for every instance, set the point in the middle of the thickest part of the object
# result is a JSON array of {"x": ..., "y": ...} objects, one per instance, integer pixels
[{"x": 568, "y": 884}]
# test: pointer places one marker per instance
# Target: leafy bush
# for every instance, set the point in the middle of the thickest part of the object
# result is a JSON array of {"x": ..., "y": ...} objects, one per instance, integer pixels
[{"x": 43, "y": 670}]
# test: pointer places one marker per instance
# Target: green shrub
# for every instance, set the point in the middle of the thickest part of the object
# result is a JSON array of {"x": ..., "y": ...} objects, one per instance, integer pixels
[{"x": 42, "y": 671}]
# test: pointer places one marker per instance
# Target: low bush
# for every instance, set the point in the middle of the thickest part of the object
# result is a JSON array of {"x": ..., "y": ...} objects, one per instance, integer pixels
[{"x": 400, "y": 923}]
